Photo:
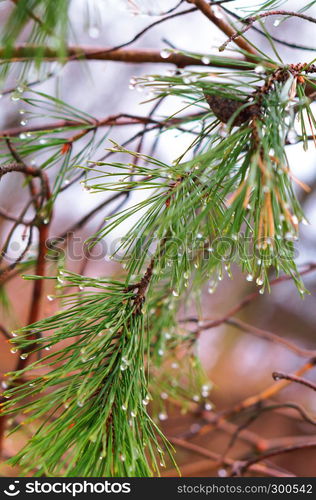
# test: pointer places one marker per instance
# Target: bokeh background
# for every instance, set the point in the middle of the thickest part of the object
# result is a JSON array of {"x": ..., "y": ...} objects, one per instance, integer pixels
[{"x": 237, "y": 363}]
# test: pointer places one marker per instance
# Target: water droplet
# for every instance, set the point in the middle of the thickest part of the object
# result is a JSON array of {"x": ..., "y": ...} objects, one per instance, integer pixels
[
  {"x": 124, "y": 407},
  {"x": 222, "y": 473},
  {"x": 14, "y": 334},
  {"x": 13, "y": 350},
  {"x": 146, "y": 401},
  {"x": 222, "y": 131},
  {"x": 165, "y": 53},
  {"x": 133, "y": 414},
  {"x": 47, "y": 348},
  {"x": 22, "y": 136},
  {"x": 206, "y": 60},
  {"x": 50, "y": 298},
  {"x": 168, "y": 336},
  {"x": 210, "y": 249},
  {"x": 80, "y": 404},
  {"x": 289, "y": 236},
  {"x": 196, "y": 398},
  {"x": 259, "y": 281},
  {"x": 164, "y": 395},
  {"x": 175, "y": 293},
  {"x": 24, "y": 355},
  {"x": 42, "y": 141},
  {"x": 94, "y": 32},
  {"x": 261, "y": 291},
  {"x": 292, "y": 136},
  {"x": 161, "y": 352},
  {"x": 162, "y": 416},
  {"x": 294, "y": 219},
  {"x": 4, "y": 385},
  {"x": 15, "y": 96},
  {"x": 208, "y": 406},
  {"x": 175, "y": 365},
  {"x": 259, "y": 69},
  {"x": 249, "y": 277},
  {"x": 122, "y": 458},
  {"x": 276, "y": 22},
  {"x": 81, "y": 287}
]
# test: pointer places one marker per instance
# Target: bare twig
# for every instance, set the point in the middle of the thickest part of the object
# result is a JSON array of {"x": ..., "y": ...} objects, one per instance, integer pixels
[
  {"x": 306, "y": 353},
  {"x": 241, "y": 467},
  {"x": 268, "y": 393},
  {"x": 77, "y": 53},
  {"x": 250, "y": 20},
  {"x": 227, "y": 461},
  {"x": 214, "y": 14},
  {"x": 294, "y": 378}
]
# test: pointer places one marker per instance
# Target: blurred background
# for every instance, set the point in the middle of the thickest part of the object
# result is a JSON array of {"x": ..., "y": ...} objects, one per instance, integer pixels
[{"x": 238, "y": 364}]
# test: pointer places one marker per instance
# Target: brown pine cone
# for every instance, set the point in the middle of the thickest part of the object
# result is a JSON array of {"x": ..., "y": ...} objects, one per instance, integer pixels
[{"x": 223, "y": 108}]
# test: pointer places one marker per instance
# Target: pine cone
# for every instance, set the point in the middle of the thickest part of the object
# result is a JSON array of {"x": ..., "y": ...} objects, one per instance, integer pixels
[{"x": 224, "y": 108}]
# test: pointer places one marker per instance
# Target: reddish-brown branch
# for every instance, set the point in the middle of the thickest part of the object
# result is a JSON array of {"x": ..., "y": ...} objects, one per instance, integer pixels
[
  {"x": 242, "y": 467},
  {"x": 18, "y": 159},
  {"x": 13, "y": 218},
  {"x": 294, "y": 378},
  {"x": 259, "y": 332},
  {"x": 214, "y": 14},
  {"x": 136, "y": 56},
  {"x": 269, "y": 392},
  {"x": 234, "y": 37},
  {"x": 121, "y": 119},
  {"x": 43, "y": 227},
  {"x": 217, "y": 459},
  {"x": 194, "y": 469}
]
